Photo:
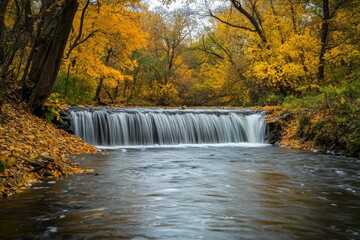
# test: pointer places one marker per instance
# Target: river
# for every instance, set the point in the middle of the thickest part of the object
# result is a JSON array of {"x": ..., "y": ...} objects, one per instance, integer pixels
[{"x": 222, "y": 191}]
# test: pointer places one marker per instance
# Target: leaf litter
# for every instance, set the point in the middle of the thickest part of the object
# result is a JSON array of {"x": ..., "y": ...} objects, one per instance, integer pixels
[{"x": 33, "y": 150}]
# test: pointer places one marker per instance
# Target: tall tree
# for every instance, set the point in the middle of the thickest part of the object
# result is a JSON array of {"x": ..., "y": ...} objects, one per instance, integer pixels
[
  {"x": 48, "y": 49},
  {"x": 33, "y": 37},
  {"x": 168, "y": 40},
  {"x": 328, "y": 12},
  {"x": 103, "y": 37}
]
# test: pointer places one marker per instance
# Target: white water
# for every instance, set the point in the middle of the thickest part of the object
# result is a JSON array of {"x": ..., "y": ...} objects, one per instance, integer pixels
[
  {"x": 183, "y": 145},
  {"x": 146, "y": 127}
]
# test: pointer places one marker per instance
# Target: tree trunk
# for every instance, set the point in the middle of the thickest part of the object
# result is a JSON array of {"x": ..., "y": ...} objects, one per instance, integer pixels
[
  {"x": 324, "y": 36},
  {"x": 67, "y": 79},
  {"x": 45, "y": 62},
  {"x": 98, "y": 89},
  {"x": 133, "y": 84},
  {"x": 3, "y": 5}
]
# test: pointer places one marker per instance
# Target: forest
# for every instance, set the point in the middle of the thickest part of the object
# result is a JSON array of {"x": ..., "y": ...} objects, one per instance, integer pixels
[
  {"x": 301, "y": 55},
  {"x": 198, "y": 119}
]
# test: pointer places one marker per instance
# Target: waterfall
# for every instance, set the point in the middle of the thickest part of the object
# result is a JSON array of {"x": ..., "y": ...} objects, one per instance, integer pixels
[{"x": 123, "y": 127}]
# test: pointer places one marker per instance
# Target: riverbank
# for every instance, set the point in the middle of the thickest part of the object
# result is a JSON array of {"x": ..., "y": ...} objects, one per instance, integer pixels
[
  {"x": 316, "y": 131},
  {"x": 33, "y": 150},
  {"x": 283, "y": 129}
]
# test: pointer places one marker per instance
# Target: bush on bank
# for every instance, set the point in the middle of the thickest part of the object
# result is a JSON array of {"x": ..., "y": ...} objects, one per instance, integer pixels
[{"x": 330, "y": 117}]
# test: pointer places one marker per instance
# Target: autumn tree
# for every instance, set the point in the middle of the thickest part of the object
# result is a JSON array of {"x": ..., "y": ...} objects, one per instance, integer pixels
[
  {"x": 34, "y": 41},
  {"x": 33, "y": 37},
  {"x": 328, "y": 10},
  {"x": 343, "y": 51},
  {"x": 45, "y": 58},
  {"x": 100, "y": 45},
  {"x": 277, "y": 43},
  {"x": 169, "y": 34},
  {"x": 226, "y": 62}
]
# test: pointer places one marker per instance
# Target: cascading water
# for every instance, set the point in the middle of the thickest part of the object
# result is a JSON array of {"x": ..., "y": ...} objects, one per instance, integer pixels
[{"x": 124, "y": 127}]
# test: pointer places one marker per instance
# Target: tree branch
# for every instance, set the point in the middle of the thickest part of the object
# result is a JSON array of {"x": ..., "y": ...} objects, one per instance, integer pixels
[
  {"x": 75, "y": 43},
  {"x": 256, "y": 24},
  {"x": 230, "y": 24}
]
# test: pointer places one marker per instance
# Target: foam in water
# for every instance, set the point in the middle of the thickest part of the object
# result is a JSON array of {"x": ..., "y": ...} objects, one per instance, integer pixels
[
  {"x": 203, "y": 145},
  {"x": 132, "y": 127}
]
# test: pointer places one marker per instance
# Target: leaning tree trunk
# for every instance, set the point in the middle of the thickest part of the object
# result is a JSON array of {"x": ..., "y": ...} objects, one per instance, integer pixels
[{"x": 50, "y": 46}]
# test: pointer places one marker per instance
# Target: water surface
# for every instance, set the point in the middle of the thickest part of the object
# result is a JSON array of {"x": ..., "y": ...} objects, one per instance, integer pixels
[{"x": 187, "y": 192}]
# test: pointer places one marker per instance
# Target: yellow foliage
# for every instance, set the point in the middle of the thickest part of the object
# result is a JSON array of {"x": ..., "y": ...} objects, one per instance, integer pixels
[
  {"x": 115, "y": 32},
  {"x": 290, "y": 62}
]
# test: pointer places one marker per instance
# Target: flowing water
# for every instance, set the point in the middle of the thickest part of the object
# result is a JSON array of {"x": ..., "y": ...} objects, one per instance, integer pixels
[
  {"x": 194, "y": 192},
  {"x": 114, "y": 127},
  {"x": 241, "y": 190}
]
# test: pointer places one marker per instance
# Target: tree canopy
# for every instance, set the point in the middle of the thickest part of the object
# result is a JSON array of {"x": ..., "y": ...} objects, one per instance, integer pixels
[{"x": 109, "y": 51}]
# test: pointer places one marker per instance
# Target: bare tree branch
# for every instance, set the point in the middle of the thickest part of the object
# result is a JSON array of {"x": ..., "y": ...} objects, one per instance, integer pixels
[
  {"x": 230, "y": 24},
  {"x": 256, "y": 24}
]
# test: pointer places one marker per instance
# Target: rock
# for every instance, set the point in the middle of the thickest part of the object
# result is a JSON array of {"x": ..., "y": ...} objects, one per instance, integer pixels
[
  {"x": 275, "y": 128},
  {"x": 65, "y": 124},
  {"x": 286, "y": 117},
  {"x": 274, "y": 132}
]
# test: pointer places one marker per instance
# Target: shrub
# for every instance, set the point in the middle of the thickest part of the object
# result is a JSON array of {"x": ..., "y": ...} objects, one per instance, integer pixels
[
  {"x": 270, "y": 99},
  {"x": 76, "y": 91},
  {"x": 330, "y": 117},
  {"x": 52, "y": 108}
]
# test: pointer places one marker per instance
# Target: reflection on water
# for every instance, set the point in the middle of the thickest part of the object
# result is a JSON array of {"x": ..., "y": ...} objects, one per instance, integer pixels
[{"x": 194, "y": 193}]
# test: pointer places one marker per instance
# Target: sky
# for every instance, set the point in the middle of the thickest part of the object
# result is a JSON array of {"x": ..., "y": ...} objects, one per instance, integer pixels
[{"x": 156, "y": 3}]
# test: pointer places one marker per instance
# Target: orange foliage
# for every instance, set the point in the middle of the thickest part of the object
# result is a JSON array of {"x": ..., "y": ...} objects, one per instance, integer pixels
[
  {"x": 32, "y": 149},
  {"x": 110, "y": 29}
]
